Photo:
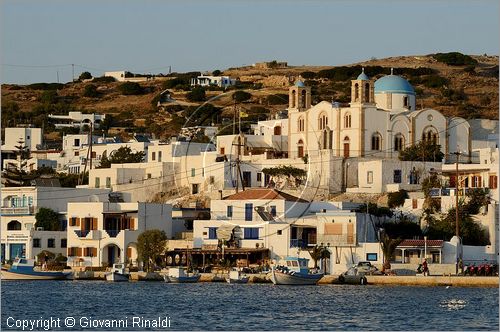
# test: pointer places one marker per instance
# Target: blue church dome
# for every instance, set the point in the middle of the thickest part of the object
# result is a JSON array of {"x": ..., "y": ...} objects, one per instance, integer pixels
[
  {"x": 394, "y": 84},
  {"x": 363, "y": 76},
  {"x": 300, "y": 84}
]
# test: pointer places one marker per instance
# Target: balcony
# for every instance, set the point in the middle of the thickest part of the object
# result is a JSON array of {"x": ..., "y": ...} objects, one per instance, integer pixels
[
  {"x": 88, "y": 234},
  {"x": 82, "y": 233},
  {"x": 299, "y": 243},
  {"x": 23, "y": 210},
  {"x": 113, "y": 232}
]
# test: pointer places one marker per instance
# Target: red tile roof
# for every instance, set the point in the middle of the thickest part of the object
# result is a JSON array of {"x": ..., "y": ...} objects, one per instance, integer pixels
[
  {"x": 420, "y": 243},
  {"x": 264, "y": 193}
]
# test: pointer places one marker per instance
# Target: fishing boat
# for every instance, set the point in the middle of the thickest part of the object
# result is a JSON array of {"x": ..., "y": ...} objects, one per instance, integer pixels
[
  {"x": 236, "y": 277},
  {"x": 24, "y": 269},
  {"x": 117, "y": 273},
  {"x": 294, "y": 272},
  {"x": 179, "y": 275}
]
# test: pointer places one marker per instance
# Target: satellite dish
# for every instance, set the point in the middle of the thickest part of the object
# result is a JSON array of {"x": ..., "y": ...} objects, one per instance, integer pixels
[{"x": 93, "y": 198}]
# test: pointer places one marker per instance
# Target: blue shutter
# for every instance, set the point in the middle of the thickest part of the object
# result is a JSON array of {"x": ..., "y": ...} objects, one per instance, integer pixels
[
  {"x": 248, "y": 211},
  {"x": 229, "y": 211},
  {"x": 212, "y": 233},
  {"x": 251, "y": 233}
]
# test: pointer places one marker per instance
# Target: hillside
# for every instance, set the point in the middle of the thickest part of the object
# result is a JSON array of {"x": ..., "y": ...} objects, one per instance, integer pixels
[{"x": 468, "y": 89}]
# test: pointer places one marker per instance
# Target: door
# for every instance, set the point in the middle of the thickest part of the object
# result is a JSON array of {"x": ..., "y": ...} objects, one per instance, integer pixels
[
  {"x": 247, "y": 179},
  {"x": 17, "y": 250},
  {"x": 111, "y": 255},
  {"x": 346, "y": 150}
]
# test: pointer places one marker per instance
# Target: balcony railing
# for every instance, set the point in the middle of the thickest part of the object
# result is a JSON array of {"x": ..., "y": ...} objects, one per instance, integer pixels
[
  {"x": 18, "y": 210},
  {"x": 113, "y": 232},
  {"x": 299, "y": 243},
  {"x": 437, "y": 192}
]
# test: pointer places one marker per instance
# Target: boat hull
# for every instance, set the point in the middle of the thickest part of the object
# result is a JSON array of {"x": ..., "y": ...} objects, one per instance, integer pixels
[
  {"x": 182, "y": 280},
  {"x": 35, "y": 275},
  {"x": 283, "y": 278},
  {"x": 116, "y": 277},
  {"x": 242, "y": 280}
]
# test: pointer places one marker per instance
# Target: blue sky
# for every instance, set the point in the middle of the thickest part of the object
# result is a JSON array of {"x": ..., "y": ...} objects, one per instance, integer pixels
[{"x": 150, "y": 35}]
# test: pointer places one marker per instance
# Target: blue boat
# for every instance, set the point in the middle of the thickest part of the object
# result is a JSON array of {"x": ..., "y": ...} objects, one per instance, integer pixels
[
  {"x": 24, "y": 269},
  {"x": 295, "y": 271}
]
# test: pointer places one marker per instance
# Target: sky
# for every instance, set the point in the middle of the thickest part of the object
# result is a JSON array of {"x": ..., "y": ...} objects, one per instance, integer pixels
[{"x": 40, "y": 39}]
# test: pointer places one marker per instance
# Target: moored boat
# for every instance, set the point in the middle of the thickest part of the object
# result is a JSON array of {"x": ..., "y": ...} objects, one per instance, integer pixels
[
  {"x": 179, "y": 275},
  {"x": 24, "y": 269},
  {"x": 236, "y": 277},
  {"x": 294, "y": 272},
  {"x": 117, "y": 273}
]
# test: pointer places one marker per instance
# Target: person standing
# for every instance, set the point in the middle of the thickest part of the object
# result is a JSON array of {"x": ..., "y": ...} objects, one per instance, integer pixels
[{"x": 425, "y": 268}]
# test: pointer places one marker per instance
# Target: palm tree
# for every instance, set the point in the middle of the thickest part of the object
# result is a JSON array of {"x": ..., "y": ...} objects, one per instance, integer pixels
[
  {"x": 389, "y": 246},
  {"x": 317, "y": 253}
]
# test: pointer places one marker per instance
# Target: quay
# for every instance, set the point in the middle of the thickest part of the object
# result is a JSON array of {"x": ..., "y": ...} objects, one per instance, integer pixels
[{"x": 442, "y": 280}]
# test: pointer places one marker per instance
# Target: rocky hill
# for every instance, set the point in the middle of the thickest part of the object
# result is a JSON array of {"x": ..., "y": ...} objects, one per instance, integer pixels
[{"x": 455, "y": 84}]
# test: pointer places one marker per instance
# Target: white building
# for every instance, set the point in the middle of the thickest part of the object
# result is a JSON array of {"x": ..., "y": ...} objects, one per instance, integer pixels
[
  {"x": 123, "y": 76},
  {"x": 102, "y": 233},
  {"x": 19, "y": 206},
  {"x": 220, "y": 81},
  {"x": 31, "y": 138},
  {"x": 275, "y": 224},
  {"x": 77, "y": 120}
]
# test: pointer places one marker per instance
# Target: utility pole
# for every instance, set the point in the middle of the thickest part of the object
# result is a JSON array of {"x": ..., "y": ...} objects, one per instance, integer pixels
[
  {"x": 457, "y": 229},
  {"x": 72, "y": 72},
  {"x": 90, "y": 143}
]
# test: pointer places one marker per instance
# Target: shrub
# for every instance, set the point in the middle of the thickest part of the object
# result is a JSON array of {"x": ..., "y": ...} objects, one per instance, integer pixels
[
  {"x": 216, "y": 72},
  {"x": 90, "y": 91},
  {"x": 308, "y": 75},
  {"x": 45, "y": 86},
  {"x": 49, "y": 97},
  {"x": 130, "y": 88},
  {"x": 103, "y": 79},
  {"x": 397, "y": 199},
  {"x": 455, "y": 59},
  {"x": 197, "y": 94},
  {"x": 240, "y": 96},
  {"x": 434, "y": 81},
  {"x": 85, "y": 76}
]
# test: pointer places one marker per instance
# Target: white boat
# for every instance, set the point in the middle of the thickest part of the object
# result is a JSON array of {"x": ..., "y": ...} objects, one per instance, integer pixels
[
  {"x": 117, "y": 273},
  {"x": 294, "y": 272},
  {"x": 179, "y": 275},
  {"x": 236, "y": 277},
  {"x": 24, "y": 269}
]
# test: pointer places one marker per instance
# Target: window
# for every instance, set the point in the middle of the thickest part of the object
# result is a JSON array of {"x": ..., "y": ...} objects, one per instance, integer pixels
[
  {"x": 148, "y": 175},
  {"x": 222, "y": 150},
  {"x": 322, "y": 121},
  {"x": 367, "y": 92},
  {"x": 77, "y": 153},
  {"x": 76, "y": 142},
  {"x": 259, "y": 177},
  {"x": 51, "y": 243},
  {"x": 153, "y": 156},
  {"x": 376, "y": 142},
  {"x": 279, "y": 232},
  {"x": 108, "y": 182},
  {"x": 493, "y": 182},
  {"x": 356, "y": 92},
  {"x": 251, "y": 233},
  {"x": 159, "y": 155},
  {"x": 229, "y": 211},
  {"x": 273, "y": 210},
  {"x": 36, "y": 243},
  {"x": 248, "y": 211},
  {"x": 300, "y": 149},
  {"x": 195, "y": 188},
  {"x": 399, "y": 142},
  {"x": 14, "y": 225},
  {"x": 64, "y": 243},
  {"x": 212, "y": 233},
  {"x": 405, "y": 101},
  {"x": 97, "y": 182},
  {"x": 347, "y": 120},
  {"x": 430, "y": 135},
  {"x": 93, "y": 155},
  {"x": 301, "y": 124},
  {"x": 369, "y": 177},
  {"x": 397, "y": 176},
  {"x": 371, "y": 257},
  {"x": 193, "y": 172},
  {"x": 477, "y": 182},
  {"x": 414, "y": 176}
]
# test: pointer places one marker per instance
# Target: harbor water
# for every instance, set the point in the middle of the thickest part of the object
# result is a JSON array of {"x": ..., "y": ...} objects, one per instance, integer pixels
[{"x": 220, "y": 306}]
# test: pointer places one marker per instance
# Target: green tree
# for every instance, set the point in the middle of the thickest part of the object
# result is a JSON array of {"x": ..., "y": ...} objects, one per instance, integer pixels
[
  {"x": 240, "y": 96},
  {"x": 90, "y": 91},
  {"x": 216, "y": 72},
  {"x": 151, "y": 245},
  {"x": 423, "y": 151},
  {"x": 197, "y": 94},
  {"x": 397, "y": 198},
  {"x": 123, "y": 155},
  {"x": 290, "y": 172},
  {"x": 49, "y": 97},
  {"x": 15, "y": 175},
  {"x": 85, "y": 76},
  {"x": 48, "y": 219}
]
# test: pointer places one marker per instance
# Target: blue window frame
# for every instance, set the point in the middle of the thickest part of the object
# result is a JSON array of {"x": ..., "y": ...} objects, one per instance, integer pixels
[
  {"x": 212, "y": 233},
  {"x": 229, "y": 211},
  {"x": 371, "y": 257},
  {"x": 248, "y": 211},
  {"x": 251, "y": 233}
]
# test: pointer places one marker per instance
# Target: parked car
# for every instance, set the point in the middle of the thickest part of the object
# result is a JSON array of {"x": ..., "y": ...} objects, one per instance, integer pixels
[
  {"x": 367, "y": 268},
  {"x": 357, "y": 273}
]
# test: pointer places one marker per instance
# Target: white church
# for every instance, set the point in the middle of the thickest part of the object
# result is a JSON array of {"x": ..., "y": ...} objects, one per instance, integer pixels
[{"x": 381, "y": 119}]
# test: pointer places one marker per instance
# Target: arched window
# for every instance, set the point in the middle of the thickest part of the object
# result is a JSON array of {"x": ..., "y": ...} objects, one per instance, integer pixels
[
  {"x": 376, "y": 142},
  {"x": 367, "y": 92},
  {"x": 14, "y": 225},
  {"x": 322, "y": 121},
  {"x": 356, "y": 92},
  {"x": 303, "y": 99},
  {"x": 430, "y": 135},
  {"x": 301, "y": 124},
  {"x": 294, "y": 96},
  {"x": 399, "y": 142},
  {"x": 347, "y": 120},
  {"x": 300, "y": 149}
]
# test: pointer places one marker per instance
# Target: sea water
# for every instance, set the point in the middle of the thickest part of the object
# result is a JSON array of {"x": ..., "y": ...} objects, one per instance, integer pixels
[{"x": 99, "y": 305}]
